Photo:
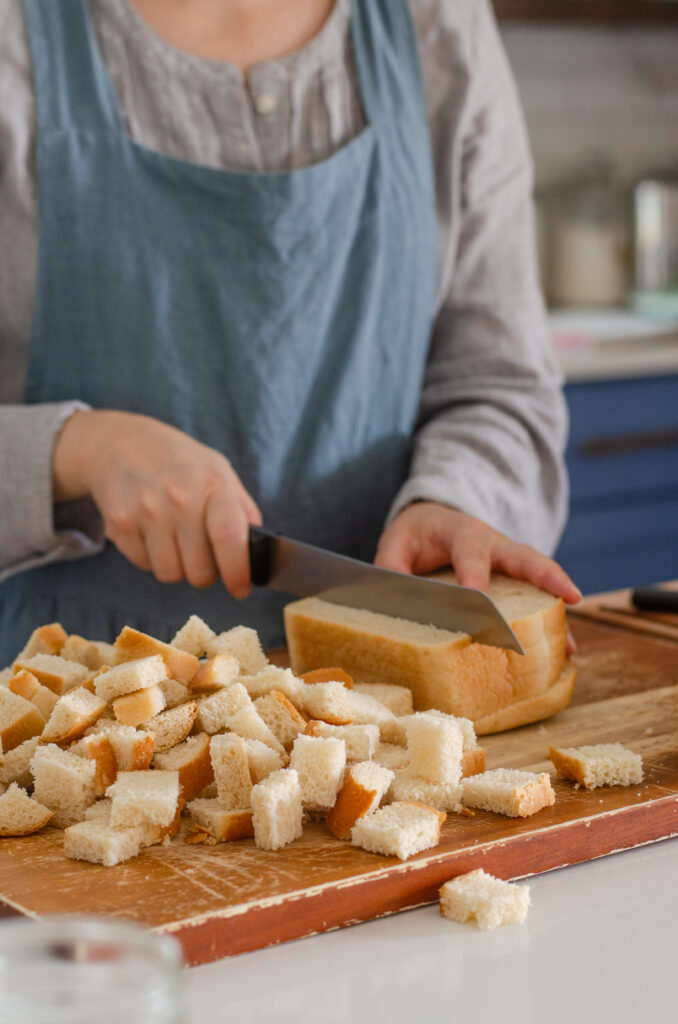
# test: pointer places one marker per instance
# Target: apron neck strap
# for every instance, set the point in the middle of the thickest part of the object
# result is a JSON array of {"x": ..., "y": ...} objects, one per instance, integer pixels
[{"x": 71, "y": 82}]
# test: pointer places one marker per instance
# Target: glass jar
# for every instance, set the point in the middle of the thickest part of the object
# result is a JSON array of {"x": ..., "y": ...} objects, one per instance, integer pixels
[{"x": 87, "y": 970}]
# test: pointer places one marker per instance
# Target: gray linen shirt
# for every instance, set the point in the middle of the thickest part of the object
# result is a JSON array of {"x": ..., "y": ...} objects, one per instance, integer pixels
[{"x": 492, "y": 420}]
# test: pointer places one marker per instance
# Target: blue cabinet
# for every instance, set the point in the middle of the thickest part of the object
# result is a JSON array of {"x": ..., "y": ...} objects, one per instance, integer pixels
[{"x": 623, "y": 461}]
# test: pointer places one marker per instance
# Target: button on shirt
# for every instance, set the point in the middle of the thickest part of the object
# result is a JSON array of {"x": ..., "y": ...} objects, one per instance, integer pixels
[{"x": 492, "y": 421}]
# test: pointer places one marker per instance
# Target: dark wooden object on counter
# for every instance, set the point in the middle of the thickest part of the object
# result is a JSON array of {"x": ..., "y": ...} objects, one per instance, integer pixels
[
  {"x": 620, "y": 11},
  {"x": 231, "y": 898}
]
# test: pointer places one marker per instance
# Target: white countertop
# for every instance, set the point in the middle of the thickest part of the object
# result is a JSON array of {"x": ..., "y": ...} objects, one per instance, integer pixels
[
  {"x": 599, "y": 944},
  {"x": 593, "y": 345}
]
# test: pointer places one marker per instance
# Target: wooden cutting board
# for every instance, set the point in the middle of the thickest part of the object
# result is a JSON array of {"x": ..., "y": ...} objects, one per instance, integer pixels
[{"x": 230, "y": 898}]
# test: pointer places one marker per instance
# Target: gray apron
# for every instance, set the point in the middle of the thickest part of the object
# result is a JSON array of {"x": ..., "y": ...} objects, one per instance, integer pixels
[{"x": 284, "y": 318}]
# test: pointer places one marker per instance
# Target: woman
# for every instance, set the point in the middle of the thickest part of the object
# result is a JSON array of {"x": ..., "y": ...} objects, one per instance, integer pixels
[{"x": 263, "y": 261}]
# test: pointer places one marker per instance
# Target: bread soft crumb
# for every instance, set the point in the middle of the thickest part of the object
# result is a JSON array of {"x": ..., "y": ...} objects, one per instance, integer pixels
[{"x": 490, "y": 902}]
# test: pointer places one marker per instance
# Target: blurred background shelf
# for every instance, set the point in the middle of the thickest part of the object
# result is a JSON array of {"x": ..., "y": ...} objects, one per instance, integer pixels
[{"x": 629, "y": 11}]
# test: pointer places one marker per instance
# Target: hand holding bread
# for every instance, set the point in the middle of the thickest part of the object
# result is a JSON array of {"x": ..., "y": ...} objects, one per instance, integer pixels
[
  {"x": 170, "y": 504},
  {"x": 427, "y": 536}
]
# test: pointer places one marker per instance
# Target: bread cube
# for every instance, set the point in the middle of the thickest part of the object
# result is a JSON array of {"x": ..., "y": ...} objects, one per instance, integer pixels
[
  {"x": 145, "y": 797},
  {"x": 398, "y": 699},
  {"x": 193, "y": 636},
  {"x": 19, "y": 814},
  {"x": 221, "y": 670},
  {"x": 63, "y": 782},
  {"x": 263, "y": 760},
  {"x": 231, "y": 771},
  {"x": 364, "y": 787},
  {"x": 130, "y": 677},
  {"x": 19, "y": 720},
  {"x": 131, "y": 645},
  {"x": 172, "y": 726},
  {"x": 250, "y": 725},
  {"x": 47, "y": 639},
  {"x": 444, "y": 796},
  {"x": 399, "y": 830},
  {"x": 98, "y": 748},
  {"x": 277, "y": 810},
  {"x": 99, "y": 843},
  {"x": 87, "y": 652},
  {"x": 490, "y": 902},
  {"x": 25, "y": 685},
  {"x": 216, "y": 711},
  {"x": 243, "y": 643},
  {"x": 603, "y": 764},
  {"x": 223, "y": 825},
  {"x": 76, "y": 711},
  {"x": 320, "y": 765},
  {"x": 53, "y": 671},
  {"x": 281, "y": 717},
  {"x": 137, "y": 708},
  {"x": 390, "y": 755},
  {"x": 509, "y": 791},
  {"x": 191, "y": 759},
  {"x": 133, "y": 748},
  {"x": 361, "y": 740},
  {"x": 434, "y": 748},
  {"x": 15, "y": 764}
]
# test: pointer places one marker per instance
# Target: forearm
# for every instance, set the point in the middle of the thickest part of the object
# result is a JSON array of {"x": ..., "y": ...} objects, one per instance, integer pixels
[{"x": 32, "y": 529}]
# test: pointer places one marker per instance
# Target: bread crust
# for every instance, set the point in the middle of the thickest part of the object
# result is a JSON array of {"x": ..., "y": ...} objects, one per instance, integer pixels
[
  {"x": 353, "y": 801},
  {"x": 532, "y": 709},
  {"x": 131, "y": 645},
  {"x": 328, "y": 675}
]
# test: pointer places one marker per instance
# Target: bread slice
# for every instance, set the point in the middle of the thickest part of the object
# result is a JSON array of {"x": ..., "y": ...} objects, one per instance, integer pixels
[
  {"x": 244, "y": 644},
  {"x": 361, "y": 740},
  {"x": 20, "y": 720},
  {"x": 25, "y": 685},
  {"x": 191, "y": 759},
  {"x": 444, "y": 796},
  {"x": 221, "y": 670},
  {"x": 263, "y": 760},
  {"x": 130, "y": 677},
  {"x": 603, "y": 764},
  {"x": 490, "y": 902},
  {"x": 20, "y": 815},
  {"x": 398, "y": 699},
  {"x": 434, "y": 747},
  {"x": 320, "y": 765},
  {"x": 281, "y": 717},
  {"x": 443, "y": 669},
  {"x": 216, "y": 711},
  {"x": 399, "y": 830},
  {"x": 193, "y": 636},
  {"x": 47, "y": 639},
  {"x": 76, "y": 711},
  {"x": 364, "y": 788},
  {"x": 149, "y": 797},
  {"x": 98, "y": 748},
  {"x": 221, "y": 824},
  {"x": 137, "y": 708},
  {"x": 131, "y": 645},
  {"x": 53, "y": 671},
  {"x": 172, "y": 726},
  {"x": 63, "y": 782},
  {"x": 509, "y": 791},
  {"x": 277, "y": 810},
  {"x": 15, "y": 765}
]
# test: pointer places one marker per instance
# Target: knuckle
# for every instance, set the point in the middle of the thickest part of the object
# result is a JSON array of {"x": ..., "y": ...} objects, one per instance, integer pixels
[
  {"x": 118, "y": 520},
  {"x": 179, "y": 496},
  {"x": 149, "y": 506},
  {"x": 202, "y": 577}
]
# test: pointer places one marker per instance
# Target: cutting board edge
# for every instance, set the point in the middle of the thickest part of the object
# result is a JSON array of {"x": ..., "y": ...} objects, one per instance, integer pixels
[{"x": 389, "y": 892}]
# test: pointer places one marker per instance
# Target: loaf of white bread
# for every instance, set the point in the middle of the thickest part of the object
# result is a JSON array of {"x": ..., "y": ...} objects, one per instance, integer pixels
[
  {"x": 494, "y": 688},
  {"x": 232, "y": 747}
]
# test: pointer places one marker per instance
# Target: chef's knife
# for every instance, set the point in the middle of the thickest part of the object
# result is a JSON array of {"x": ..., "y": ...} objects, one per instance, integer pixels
[
  {"x": 655, "y": 599},
  {"x": 304, "y": 570}
]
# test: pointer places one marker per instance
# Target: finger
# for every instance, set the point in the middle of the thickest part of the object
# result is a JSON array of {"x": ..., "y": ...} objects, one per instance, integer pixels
[
  {"x": 525, "y": 563},
  {"x": 132, "y": 546},
  {"x": 196, "y": 555},
  {"x": 164, "y": 556},
  {"x": 228, "y": 532},
  {"x": 394, "y": 550},
  {"x": 472, "y": 561}
]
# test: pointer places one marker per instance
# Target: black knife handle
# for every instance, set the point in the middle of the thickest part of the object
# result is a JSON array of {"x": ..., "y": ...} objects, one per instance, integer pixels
[
  {"x": 653, "y": 599},
  {"x": 261, "y": 551}
]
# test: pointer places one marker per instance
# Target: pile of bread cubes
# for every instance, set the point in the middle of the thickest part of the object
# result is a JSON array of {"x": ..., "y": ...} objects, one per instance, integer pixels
[{"x": 127, "y": 745}]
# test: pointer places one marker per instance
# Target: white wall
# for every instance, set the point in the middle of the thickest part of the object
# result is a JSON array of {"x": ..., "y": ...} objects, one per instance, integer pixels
[{"x": 592, "y": 92}]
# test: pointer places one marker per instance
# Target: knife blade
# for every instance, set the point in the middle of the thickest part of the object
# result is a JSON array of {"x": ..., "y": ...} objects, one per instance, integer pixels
[{"x": 294, "y": 567}]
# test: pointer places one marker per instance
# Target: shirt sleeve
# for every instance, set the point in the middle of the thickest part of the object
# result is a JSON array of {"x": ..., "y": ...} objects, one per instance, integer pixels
[
  {"x": 33, "y": 530},
  {"x": 492, "y": 423}
]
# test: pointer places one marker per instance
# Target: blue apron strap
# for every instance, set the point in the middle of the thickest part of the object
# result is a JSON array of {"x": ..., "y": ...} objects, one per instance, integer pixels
[
  {"x": 71, "y": 83},
  {"x": 387, "y": 60}
]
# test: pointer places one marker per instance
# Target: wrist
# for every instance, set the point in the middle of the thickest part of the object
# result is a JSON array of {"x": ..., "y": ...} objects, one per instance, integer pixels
[{"x": 71, "y": 456}]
